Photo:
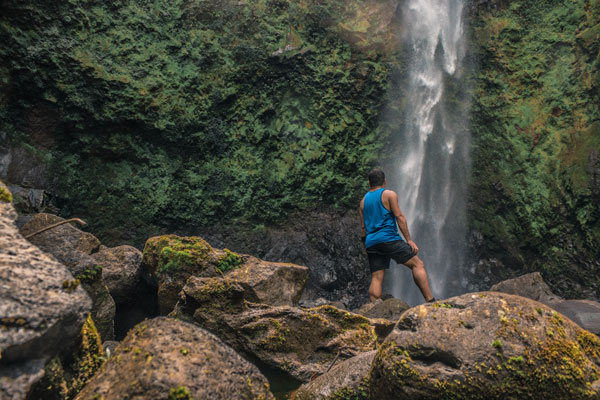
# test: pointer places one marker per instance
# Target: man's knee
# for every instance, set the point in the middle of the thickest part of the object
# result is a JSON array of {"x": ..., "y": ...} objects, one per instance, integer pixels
[{"x": 415, "y": 263}]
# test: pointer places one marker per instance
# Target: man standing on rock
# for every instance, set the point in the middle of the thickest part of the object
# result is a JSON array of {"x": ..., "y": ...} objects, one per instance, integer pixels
[{"x": 379, "y": 212}]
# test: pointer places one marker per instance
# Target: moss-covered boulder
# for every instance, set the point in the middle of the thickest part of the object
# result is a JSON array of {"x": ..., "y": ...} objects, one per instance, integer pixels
[
  {"x": 169, "y": 260},
  {"x": 165, "y": 358},
  {"x": 299, "y": 342},
  {"x": 486, "y": 345}
]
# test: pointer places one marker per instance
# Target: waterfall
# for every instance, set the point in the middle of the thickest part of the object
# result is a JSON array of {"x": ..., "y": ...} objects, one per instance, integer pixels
[{"x": 431, "y": 169}]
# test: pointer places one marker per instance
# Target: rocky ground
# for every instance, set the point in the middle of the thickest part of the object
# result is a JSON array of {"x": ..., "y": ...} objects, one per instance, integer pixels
[{"x": 233, "y": 326}]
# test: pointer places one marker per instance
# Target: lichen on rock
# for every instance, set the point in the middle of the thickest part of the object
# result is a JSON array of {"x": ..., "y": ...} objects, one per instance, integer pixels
[{"x": 486, "y": 346}]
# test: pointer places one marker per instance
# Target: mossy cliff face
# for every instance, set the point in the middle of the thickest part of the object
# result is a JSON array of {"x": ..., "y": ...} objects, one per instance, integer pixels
[
  {"x": 536, "y": 127},
  {"x": 486, "y": 346},
  {"x": 199, "y": 110}
]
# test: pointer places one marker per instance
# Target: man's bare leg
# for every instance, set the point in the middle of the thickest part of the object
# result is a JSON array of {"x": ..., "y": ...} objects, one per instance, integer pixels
[
  {"x": 419, "y": 276},
  {"x": 376, "y": 285}
]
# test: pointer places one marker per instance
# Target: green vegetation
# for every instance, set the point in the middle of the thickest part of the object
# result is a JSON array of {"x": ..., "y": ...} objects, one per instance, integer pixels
[
  {"x": 536, "y": 129},
  {"x": 180, "y": 393},
  {"x": 5, "y": 194},
  {"x": 90, "y": 274},
  {"x": 171, "y": 113},
  {"x": 229, "y": 261},
  {"x": 65, "y": 376}
]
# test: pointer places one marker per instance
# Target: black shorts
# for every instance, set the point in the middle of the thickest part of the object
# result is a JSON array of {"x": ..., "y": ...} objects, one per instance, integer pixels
[{"x": 381, "y": 253}]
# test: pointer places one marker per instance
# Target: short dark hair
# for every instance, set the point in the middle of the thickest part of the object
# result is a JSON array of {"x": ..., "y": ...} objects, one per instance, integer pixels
[{"x": 376, "y": 177}]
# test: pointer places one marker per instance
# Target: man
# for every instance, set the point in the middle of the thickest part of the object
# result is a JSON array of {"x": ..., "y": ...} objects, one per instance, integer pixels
[{"x": 379, "y": 213}]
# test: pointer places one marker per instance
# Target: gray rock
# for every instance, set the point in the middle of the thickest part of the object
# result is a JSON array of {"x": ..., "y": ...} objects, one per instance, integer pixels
[
  {"x": 485, "y": 346},
  {"x": 530, "y": 285},
  {"x": 585, "y": 313},
  {"x": 60, "y": 239},
  {"x": 347, "y": 378},
  {"x": 390, "y": 309},
  {"x": 121, "y": 271},
  {"x": 164, "y": 356},
  {"x": 17, "y": 379},
  {"x": 41, "y": 309},
  {"x": 276, "y": 284},
  {"x": 72, "y": 247}
]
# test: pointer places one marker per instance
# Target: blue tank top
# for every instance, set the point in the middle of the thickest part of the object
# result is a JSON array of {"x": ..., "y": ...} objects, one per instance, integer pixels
[{"x": 380, "y": 223}]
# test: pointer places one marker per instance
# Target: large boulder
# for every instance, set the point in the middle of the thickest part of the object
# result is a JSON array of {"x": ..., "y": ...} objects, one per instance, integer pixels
[
  {"x": 347, "y": 380},
  {"x": 301, "y": 343},
  {"x": 169, "y": 260},
  {"x": 486, "y": 345},
  {"x": 276, "y": 284},
  {"x": 121, "y": 270},
  {"x": 585, "y": 313},
  {"x": 42, "y": 308},
  {"x": 73, "y": 247},
  {"x": 166, "y": 358}
]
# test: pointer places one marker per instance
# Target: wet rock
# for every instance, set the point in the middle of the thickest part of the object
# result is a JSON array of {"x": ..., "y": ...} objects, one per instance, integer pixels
[
  {"x": 486, "y": 345},
  {"x": 346, "y": 380},
  {"x": 164, "y": 357},
  {"x": 389, "y": 309},
  {"x": 121, "y": 270},
  {"x": 42, "y": 309},
  {"x": 72, "y": 247},
  {"x": 299, "y": 342},
  {"x": 169, "y": 260}
]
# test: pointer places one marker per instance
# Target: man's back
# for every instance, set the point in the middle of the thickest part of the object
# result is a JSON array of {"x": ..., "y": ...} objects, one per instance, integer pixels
[{"x": 380, "y": 222}]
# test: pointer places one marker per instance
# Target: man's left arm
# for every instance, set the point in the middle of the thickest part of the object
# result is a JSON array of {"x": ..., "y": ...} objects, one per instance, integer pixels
[{"x": 401, "y": 220}]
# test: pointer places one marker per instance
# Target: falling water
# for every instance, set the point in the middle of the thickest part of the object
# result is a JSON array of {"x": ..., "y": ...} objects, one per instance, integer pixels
[{"x": 432, "y": 166}]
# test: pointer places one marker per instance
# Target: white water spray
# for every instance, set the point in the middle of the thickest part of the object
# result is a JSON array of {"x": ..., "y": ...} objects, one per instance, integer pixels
[{"x": 432, "y": 167}]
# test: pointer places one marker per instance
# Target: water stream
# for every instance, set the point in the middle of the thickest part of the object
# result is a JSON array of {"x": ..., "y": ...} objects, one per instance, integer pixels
[{"x": 432, "y": 167}]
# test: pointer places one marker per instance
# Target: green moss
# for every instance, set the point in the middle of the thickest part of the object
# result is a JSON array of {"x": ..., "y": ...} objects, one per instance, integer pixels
[
  {"x": 70, "y": 285},
  {"x": 180, "y": 393},
  {"x": 90, "y": 274},
  {"x": 171, "y": 254},
  {"x": 5, "y": 194},
  {"x": 229, "y": 261},
  {"x": 65, "y": 376}
]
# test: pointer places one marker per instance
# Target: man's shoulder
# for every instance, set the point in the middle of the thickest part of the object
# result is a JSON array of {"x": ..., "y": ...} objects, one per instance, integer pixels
[{"x": 388, "y": 193}]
